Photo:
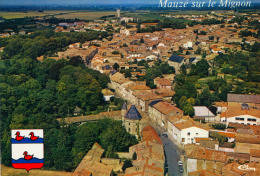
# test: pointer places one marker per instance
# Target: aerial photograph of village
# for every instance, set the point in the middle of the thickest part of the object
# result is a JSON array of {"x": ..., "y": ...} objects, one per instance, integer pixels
[{"x": 130, "y": 88}]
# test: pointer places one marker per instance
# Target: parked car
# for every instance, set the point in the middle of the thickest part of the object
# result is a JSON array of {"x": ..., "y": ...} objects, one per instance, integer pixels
[
  {"x": 181, "y": 169},
  {"x": 180, "y": 163}
]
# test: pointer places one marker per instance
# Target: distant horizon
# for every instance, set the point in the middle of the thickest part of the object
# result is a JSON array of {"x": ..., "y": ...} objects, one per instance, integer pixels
[{"x": 87, "y": 2}]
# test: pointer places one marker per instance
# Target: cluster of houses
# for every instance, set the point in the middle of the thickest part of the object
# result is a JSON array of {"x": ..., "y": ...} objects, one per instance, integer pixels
[
  {"x": 204, "y": 153},
  {"x": 149, "y": 158}
]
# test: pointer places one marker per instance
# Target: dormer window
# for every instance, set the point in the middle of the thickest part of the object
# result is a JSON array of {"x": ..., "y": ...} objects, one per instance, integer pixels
[{"x": 188, "y": 133}]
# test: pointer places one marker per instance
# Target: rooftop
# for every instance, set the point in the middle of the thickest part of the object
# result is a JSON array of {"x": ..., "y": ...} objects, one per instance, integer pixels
[
  {"x": 198, "y": 152},
  {"x": 164, "y": 107},
  {"x": 241, "y": 98},
  {"x": 191, "y": 123},
  {"x": 133, "y": 114},
  {"x": 176, "y": 58},
  {"x": 202, "y": 111}
]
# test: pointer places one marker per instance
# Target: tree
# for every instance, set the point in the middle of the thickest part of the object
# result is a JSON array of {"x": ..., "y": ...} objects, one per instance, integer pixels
[
  {"x": 201, "y": 68},
  {"x": 127, "y": 164},
  {"x": 142, "y": 40},
  {"x": 134, "y": 157},
  {"x": 128, "y": 73},
  {"x": 118, "y": 138},
  {"x": 116, "y": 66}
]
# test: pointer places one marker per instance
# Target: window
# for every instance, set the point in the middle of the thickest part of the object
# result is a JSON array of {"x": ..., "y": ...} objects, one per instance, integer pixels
[
  {"x": 250, "y": 119},
  {"x": 183, "y": 139},
  {"x": 240, "y": 118},
  {"x": 129, "y": 124},
  {"x": 128, "y": 129},
  {"x": 197, "y": 133},
  {"x": 188, "y": 133}
]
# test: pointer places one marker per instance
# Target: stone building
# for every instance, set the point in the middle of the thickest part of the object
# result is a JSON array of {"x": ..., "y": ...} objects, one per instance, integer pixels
[{"x": 131, "y": 118}]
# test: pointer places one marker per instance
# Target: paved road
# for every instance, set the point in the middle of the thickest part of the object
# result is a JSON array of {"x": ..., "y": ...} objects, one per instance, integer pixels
[{"x": 172, "y": 156}]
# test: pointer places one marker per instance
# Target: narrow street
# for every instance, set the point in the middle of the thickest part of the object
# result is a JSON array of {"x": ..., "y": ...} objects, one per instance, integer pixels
[{"x": 172, "y": 153}]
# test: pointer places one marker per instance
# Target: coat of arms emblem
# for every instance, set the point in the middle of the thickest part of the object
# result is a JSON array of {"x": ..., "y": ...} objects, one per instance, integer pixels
[{"x": 27, "y": 148}]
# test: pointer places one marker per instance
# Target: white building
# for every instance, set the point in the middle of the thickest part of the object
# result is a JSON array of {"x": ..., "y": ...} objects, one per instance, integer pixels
[
  {"x": 107, "y": 94},
  {"x": 241, "y": 113},
  {"x": 203, "y": 113},
  {"x": 187, "y": 45},
  {"x": 186, "y": 132}
]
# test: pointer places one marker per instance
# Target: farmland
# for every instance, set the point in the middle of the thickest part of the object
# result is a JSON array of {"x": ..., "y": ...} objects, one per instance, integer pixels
[
  {"x": 91, "y": 15},
  {"x": 84, "y": 15}
]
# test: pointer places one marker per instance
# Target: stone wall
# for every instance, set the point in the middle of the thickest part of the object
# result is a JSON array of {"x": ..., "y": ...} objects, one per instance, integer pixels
[
  {"x": 124, "y": 155},
  {"x": 245, "y": 147}
]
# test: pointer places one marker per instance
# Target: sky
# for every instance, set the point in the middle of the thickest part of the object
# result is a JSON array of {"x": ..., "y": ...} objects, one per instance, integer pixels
[
  {"x": 75, "y": 2},
  {"x": 92, "y": 2}
]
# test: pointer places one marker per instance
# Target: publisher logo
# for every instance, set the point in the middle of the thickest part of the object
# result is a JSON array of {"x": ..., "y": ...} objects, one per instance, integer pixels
[{"x": 246, "y": 168}]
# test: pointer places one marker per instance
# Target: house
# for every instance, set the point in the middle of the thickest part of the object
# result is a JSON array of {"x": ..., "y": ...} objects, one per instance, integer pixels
[
  {"x": 185, "y": 132},
  {"x": 160, "y": 111},
  {"x": 241, "y": 113},
  {"x": 176, "y": 61},
  {"x": 77, "y": 111},
  {"x": 163, "y": 83},
  {"x": 91, "y": 165},
  {"x": 131, "y": 118},
  {"x": 22, "y": 32},
  {"x": 251, "y": 100},
  {"x": 187, "y": 45},
  {"x": 144, "y": 98},
  {"x": 245, "y": 144},
  {"x": 203, "y": 113},
  {"x": 200, "y": 158},
  {"x": 130, "y": 31},
  {"x": 150, "y": 155},
  {"x": 107, "y": 94}
]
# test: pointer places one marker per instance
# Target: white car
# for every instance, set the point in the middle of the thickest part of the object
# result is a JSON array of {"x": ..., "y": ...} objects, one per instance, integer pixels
[{"x": 180, "y": 163}]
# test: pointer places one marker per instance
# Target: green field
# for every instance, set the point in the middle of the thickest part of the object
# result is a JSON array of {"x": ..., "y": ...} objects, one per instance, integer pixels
[
  {"x": 66, "y": 14},
  {"x": 145, "y": 16},
  {"x": 93, "y": 15},
  {"x": 10, "y": 15}
]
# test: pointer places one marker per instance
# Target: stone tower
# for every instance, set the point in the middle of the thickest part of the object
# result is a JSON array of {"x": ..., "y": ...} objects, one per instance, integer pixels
[
  {"x": 118, "y": 13},
  {"x": 131, "y": 120},
  {"x": 123, "y": 112}
]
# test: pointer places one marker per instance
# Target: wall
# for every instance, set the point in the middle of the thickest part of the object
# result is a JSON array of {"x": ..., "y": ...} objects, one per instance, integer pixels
[
  {"x": 176, "y": 134},
  {"x": 194, "y": 132},
  {"x": 233, "y": 119},
  {"x": 223, "y": 149},
  {"x": 191, "y": 165},
  {"x": 197, "y": 164},
  {"x": 124, "y": 155},
  {"x": 254, "y": 159},
  {"x": 245, "y": 147}
]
